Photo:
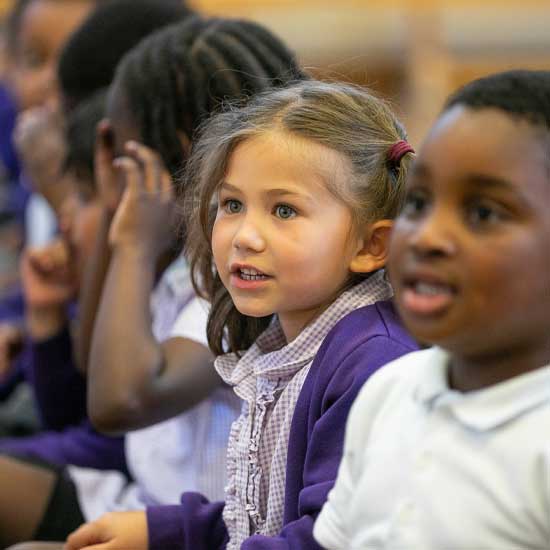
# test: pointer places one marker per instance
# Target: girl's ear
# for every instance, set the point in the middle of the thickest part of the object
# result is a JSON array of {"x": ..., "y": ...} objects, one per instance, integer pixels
[{"x": 373, "y": 248}]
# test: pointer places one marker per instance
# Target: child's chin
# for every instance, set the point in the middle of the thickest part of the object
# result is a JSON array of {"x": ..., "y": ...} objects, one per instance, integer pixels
[{"x": 254, "y": 311}]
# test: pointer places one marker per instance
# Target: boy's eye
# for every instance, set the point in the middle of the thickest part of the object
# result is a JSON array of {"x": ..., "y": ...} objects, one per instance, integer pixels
[
  {"x": 415, "y": 203},
  {"x": 32, "y": 59},
  {"x": 232, "y": 206},
  {"x": 480, "y": 214},
  {"x": 284, "y": 211}
]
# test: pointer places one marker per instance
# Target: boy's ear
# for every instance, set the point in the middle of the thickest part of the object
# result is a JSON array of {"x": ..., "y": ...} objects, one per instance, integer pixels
[
  {"x": 185, "y": 142},
  {"x": 373, "y": 246}
]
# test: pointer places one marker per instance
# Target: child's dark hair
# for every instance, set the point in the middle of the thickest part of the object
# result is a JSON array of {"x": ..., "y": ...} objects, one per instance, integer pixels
[
  {"x": 89, "y": 59},
  {"x": 179, "y": 76},
  {"x": 520, "y": 93},
  {"x": 345, "y": 118},
  {"x": 80, "y": 133}
]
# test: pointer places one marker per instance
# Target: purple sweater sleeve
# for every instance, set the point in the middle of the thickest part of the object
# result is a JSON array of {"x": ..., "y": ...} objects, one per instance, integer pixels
[
  {"x": 59, "y": 389},
  {"x": 195, "y": 524}
]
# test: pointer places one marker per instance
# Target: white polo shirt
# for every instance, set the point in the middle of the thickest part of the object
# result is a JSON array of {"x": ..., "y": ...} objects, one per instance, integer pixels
[{"x": 429, "y": 468}]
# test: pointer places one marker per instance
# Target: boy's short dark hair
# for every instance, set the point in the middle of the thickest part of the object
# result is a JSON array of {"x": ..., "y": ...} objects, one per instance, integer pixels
[
  {"x": 89, "y": 59},
  {"x": 520, "y": 93}
]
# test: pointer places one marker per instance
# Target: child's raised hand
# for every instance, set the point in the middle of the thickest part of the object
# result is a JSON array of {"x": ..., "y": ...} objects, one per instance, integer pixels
[
  {"x": 146, "y": 217},
  {"x": 108, "y": 182},
  {"x": 48, "y": 275},
  {"x": 114, "y": 531},
  {"x": 40, "y": 141}
]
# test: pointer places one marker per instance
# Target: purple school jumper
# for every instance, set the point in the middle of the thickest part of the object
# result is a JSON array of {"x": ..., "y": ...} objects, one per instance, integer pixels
[
  {"x": 60, "y": 392},
  {"x": 359, "y": 344}
]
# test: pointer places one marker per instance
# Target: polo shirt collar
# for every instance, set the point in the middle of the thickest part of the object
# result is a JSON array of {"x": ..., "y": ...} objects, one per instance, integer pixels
[{"x": 488, "y": 408}]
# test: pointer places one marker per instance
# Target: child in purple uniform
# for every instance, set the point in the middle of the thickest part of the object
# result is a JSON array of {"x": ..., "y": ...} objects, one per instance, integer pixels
[{"x": 305, "y": 182}]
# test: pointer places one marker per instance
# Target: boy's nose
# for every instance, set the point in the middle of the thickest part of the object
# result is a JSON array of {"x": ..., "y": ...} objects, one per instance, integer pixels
[{"x": 434, "y": 236}]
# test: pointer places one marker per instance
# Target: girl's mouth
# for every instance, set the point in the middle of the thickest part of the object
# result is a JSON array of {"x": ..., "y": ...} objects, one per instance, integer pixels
[
  {"x": 248, "y": 278},
  {"x": 248, "y": 274}
]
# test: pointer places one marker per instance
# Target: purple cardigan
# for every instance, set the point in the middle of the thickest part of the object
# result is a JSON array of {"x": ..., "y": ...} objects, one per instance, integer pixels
[
  {"x": 60, "y": 392},
  {"x": 358, "y": 345}
]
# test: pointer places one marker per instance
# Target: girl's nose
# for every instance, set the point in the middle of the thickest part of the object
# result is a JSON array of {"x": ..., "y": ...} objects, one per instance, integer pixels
[{"x": 249, "y": 235}]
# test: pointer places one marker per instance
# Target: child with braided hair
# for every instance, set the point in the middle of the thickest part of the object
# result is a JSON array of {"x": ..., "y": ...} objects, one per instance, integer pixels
[{"x": 141, "y": 369}]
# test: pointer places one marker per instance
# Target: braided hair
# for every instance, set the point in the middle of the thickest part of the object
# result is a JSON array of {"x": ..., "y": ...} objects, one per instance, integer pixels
[{"x": 179, "y": 76}]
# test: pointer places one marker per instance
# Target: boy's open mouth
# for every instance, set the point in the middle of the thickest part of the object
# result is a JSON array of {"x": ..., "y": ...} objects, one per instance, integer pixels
[{"x": 426, "y": 297}]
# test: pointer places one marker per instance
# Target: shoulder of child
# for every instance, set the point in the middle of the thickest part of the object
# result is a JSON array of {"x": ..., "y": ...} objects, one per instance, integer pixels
[{"x": 371, "y": 335}]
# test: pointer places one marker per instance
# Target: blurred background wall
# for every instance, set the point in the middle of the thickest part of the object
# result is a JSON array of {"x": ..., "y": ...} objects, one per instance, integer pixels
[{"x": 412, "y": 51}]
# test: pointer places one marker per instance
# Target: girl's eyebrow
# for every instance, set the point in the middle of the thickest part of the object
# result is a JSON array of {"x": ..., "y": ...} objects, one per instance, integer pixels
[
  {"x": 281, "y": 191},
  {"x": 225, "y": 185},
  {"x": 278, "y": 191}
]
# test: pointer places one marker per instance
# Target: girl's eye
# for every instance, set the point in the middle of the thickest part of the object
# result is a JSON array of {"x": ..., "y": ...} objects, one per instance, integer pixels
[
  {"x": 415, "y": 203},
  {"x": 232, "y": 206},
  {"x": 284, "y": 211}
]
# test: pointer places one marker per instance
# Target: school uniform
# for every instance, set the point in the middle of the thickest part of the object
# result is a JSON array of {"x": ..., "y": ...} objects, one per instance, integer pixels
[
  {"x": 187, "y": 451},
  {"x": 426, "y": 467},
  {"x": 60, "y": 394},
  {"x": 285, "y": 447}
]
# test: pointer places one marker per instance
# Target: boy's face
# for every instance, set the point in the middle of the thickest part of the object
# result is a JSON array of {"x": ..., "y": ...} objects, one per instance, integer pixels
[
  {"x": 45, "y": 27},
  {"x": 79, "y": 221},
  {"x": 470, "y": 254}
]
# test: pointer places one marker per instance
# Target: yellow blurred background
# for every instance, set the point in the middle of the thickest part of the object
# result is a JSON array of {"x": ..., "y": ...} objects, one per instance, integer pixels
[{"x": 415, "y": 52}]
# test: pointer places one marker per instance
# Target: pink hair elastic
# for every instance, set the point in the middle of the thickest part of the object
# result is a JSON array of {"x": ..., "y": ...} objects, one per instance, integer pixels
[{"x": 398, "y": 150}]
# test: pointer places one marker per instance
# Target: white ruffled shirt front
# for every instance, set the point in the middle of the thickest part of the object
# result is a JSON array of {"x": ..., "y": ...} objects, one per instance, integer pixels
[{"x": 269, "y": 378}]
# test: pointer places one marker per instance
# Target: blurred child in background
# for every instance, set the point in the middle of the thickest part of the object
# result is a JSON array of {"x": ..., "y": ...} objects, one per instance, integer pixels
[{"x": 189, "y": 451}]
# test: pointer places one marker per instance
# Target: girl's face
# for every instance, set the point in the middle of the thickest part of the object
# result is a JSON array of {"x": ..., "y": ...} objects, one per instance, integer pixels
[
  {"x": 282, "y": 243},
  {"x": 469, "y": 256},
  {"x": 44, "y": 29}
]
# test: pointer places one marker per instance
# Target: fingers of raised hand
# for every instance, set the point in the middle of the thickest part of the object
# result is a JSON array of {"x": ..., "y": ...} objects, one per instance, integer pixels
[
  {"x": 132, "y": 172},
  {"x": 155, "y": 174}
]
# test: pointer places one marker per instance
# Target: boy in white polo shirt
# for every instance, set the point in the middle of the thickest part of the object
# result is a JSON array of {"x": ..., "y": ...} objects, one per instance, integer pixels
[{"x": 449, "y": 448}]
